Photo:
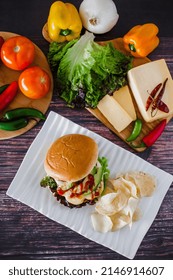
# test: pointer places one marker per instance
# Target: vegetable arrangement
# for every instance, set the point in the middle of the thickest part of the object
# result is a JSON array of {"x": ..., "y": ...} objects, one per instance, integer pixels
[
  {"x": 87, "y": 71},
  {"x": 65, "y": 22},
  {"x": 18, "y": 53}
]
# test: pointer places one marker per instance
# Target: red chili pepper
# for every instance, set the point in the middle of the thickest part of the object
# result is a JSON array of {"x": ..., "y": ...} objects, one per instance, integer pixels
[
  {"x": 153, "y": 135},
  {"x": 152, "y": 95},
  {"x": 151, "y": 138},
  {"x": 8, "y": 95}
]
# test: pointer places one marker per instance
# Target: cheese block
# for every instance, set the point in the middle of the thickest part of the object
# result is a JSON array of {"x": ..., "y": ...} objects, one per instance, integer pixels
[
  {"x": 143, "y": 79},
  {"x": 123, "y": 97},
  {"x": 114, "y": 113}
]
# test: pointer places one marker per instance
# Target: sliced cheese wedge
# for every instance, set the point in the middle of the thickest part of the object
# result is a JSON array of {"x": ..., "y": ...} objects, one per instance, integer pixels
[
  {"x": 123, "y": 97},
  {"x": 143, "y": 79},
  {"x": 114, "y": 113}
]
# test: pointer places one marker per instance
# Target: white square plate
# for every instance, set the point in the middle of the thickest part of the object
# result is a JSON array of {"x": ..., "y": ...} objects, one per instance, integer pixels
[{"x": 25, "y": 187}]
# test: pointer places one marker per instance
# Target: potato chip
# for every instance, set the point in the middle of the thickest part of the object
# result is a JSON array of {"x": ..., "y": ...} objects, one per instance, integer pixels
[
  {"x": 118, "y": 206},
  {"x": 111, "y": 203},
  {"x": 118, "y": 184},
  {"x": 144, "y": 182},
  {"x": 101, "y": 223},
  {"x": 119, "y": 221},
  {"x": 131, "y": 207},
  {"x": 137, "y": 214},
  {"x": 131, "y": 187}
]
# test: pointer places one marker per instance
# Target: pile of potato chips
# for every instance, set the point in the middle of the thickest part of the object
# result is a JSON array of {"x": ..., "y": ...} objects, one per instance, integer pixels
[{"x": 118, "y": 206}]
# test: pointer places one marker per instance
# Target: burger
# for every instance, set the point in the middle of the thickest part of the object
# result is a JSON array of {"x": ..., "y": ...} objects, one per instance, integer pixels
[{"x": 76, "y": 175}]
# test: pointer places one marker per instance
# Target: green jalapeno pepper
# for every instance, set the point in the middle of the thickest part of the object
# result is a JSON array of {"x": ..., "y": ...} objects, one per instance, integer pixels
[
  {"x": 23, "y": 112},
  {"x": 14, "y": 124},
  {"x": 136, "y": 131}
]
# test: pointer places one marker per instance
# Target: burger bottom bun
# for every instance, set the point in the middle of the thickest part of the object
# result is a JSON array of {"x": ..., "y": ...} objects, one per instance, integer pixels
[{"x": 71, "y": 157}]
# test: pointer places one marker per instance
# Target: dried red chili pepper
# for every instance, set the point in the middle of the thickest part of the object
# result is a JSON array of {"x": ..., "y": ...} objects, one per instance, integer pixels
[
  {"x": 152, "y": 136},
  {"x": 7, "y": 96},
  {"x": 157, "y": 100},
  {"x": 163, "y": 107},
  {"x": 152, "y": 95}
]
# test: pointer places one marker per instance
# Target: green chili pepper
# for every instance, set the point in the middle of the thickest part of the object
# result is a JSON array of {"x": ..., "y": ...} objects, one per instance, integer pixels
[
  {"x": 136, "y": 131},
  {"x": 23, "y": 112},
  {"x": 152, "y": 136},
  {"x": 14, "y": 124},
  {"x": 2, "y": 88}
]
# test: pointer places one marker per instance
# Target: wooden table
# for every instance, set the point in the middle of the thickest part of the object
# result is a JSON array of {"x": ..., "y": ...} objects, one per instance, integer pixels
[{"x": 26, "y": 234}]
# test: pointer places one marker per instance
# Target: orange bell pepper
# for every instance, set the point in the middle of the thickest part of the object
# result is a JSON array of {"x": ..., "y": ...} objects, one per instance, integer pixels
[{"x": 141, "y": 39}]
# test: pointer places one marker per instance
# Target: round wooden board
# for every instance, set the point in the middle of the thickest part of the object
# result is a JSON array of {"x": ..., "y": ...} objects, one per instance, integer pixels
[{"x": 7, "y": 76}]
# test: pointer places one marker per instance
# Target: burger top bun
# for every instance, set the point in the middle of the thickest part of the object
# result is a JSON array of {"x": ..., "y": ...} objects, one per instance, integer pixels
[{"x": 71, "y": 157}]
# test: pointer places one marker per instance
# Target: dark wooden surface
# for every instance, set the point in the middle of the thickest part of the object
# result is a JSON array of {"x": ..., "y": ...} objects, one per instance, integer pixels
[{"x": 26, "y": 234}]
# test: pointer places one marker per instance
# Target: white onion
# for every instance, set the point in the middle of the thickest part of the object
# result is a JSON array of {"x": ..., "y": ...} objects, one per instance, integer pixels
[{"x": 98, "y": 16}]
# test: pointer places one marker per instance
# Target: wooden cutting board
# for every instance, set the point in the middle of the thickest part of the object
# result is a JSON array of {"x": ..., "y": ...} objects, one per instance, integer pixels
[
  {"x": 7, "y": 75},
  {"x": 147, "y": 127}
]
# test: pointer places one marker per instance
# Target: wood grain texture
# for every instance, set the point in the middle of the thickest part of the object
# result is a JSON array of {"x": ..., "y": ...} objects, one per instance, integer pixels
[
  {"x": 8, "y": 75},
  {"x": 26, "y": 234}
]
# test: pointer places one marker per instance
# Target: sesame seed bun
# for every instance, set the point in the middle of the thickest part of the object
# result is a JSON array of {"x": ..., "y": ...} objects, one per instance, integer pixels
[{"x": 71, "y": 157}]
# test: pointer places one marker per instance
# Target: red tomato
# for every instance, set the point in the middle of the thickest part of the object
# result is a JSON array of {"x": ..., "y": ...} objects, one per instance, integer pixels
[
  {"x": 34, "y": 82},
  {"x": 17, "y": 52}
]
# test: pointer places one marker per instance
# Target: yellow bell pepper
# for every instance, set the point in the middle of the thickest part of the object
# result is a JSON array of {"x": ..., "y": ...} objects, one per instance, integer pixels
[
  {"x": 141, "y": 39},
  {"x": 64, "y": 23}
]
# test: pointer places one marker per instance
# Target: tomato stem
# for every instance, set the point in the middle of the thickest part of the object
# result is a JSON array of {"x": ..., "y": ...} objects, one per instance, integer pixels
[{"x": 16, "y": 49}]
